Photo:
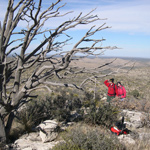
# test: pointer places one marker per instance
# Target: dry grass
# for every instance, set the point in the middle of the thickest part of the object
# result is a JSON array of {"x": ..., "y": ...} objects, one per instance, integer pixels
[
  {"x": 136, "y": 79},
  {"x": 84, "y": 137}
]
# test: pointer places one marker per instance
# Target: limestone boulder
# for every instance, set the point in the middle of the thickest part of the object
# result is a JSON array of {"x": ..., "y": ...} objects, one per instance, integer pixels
[
  {"x": 135, "y": 118},
  {"x": 32, "y": 141},
  {"x": 48, "y": 130}
]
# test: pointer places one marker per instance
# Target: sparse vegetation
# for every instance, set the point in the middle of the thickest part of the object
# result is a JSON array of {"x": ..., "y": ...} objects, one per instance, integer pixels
[
  {"x": 104, "y": 114},
  {"x": 135, "y": 93},
  {"x": 60, "y": 106},
  {"x": 83, "y": 137},
  {"x": 95, "y": 113}
]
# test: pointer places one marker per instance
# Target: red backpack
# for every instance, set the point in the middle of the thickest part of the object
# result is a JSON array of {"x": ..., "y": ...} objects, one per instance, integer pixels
[
  {"x": 120, "y": 128},
  {"x": 115, "y": 130}
]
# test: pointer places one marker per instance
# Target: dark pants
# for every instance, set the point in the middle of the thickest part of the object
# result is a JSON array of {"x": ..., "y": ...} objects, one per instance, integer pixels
[{"x": 109, "y": 98}]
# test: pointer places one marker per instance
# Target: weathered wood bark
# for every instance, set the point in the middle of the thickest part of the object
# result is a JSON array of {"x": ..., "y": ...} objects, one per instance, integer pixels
[
  {"x": 2, "y": 126},
  {"x": 2, "y": 131}
]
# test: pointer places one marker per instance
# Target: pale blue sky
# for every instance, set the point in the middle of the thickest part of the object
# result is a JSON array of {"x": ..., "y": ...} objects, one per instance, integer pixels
[{"x": 129, "y": 21}]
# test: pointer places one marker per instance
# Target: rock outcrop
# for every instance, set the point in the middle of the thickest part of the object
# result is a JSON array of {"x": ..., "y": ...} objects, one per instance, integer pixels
[
  {"x": 46, "y": 133},
  {"x": 134, "y": 119},
  {"x": 48, "y": 130},
  {"x": 43, "y": 139},
  {"x": 32, "y": 141}
]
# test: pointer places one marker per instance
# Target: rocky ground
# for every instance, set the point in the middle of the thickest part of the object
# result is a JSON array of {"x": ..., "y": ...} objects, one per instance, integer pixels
[{"x": 44, "y": 137}]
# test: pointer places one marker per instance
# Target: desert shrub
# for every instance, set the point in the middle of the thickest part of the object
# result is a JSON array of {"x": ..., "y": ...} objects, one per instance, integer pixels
[
  {"x": 58, "y": 106},
  {"x": 63, "y": 104},
  {"x": 74, "y": 101},
  {"x": 104, "y": 114},
  {"x": 86, "y": 138},
  {"x": 135, "y": 93},
  {"x": 88, "y": 99},
  {"x": 39, "y": 110},
  {"x": 133, "y": 104},
  {"x": 33, "y": 113},
  {"x": 28, "y": 117}
]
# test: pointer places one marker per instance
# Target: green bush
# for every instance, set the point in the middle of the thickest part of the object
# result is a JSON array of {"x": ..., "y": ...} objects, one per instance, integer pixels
[
  {"x": 38, "y": 110},
  {"x": 33, "y": 113},
  {"x": 87, "y": 99},
  {"x": 135, "y": 93},
  {"x": 58, "y": 106},
  {"x": 85, "y": 138},
  {"x": 103, "y": 115}
]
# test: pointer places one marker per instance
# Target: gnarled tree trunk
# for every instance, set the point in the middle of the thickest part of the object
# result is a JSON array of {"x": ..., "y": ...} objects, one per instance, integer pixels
[{"x": 2, "y": 131}]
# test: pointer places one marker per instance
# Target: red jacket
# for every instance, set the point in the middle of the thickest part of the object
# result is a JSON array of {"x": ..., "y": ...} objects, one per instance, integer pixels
[
  {"x": 121, "y": 91},
  {"x": 112, "y": 88}
]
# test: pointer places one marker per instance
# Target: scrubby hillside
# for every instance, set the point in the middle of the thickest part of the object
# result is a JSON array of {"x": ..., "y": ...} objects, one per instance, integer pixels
[{"x": 89, "y": 107}]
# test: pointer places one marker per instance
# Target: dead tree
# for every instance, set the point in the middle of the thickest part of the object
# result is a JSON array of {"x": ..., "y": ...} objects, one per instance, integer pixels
[{"x": 47, "y": 60}]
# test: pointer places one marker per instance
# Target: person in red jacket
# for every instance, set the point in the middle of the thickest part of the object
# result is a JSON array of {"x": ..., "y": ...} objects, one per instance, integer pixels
[
  {"x": 112, "y": 89},
  {"x": 121, "y": 91}
]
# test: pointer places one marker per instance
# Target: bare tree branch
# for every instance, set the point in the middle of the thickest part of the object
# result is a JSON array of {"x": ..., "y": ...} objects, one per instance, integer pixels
[{"x": 40, "y": 55}]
